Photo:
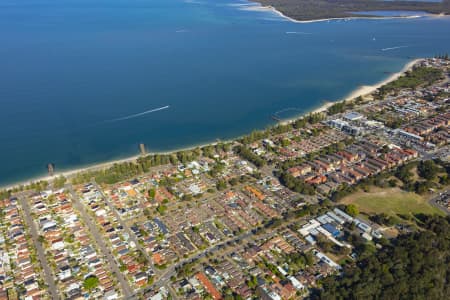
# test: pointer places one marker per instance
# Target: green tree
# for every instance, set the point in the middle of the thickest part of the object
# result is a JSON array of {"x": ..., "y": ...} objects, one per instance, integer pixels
[
  {"x": 161, "y": 209},
  {"x": 91, "y": 282},
  {"x": 413, "y": 266},
  {"x": 221, "y": 185},
  {"x": 427, "y": 169},
  {"x": 352, "y": 210},
  {"x": 59, "y": 182}
]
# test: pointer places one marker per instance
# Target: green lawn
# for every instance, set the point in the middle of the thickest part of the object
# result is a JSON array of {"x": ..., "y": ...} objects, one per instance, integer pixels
[{"x": 390, "y": 201}]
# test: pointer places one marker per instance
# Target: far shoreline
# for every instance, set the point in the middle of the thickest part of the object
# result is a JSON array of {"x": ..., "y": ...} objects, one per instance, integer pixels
[
  {"x": 258, "y": 6},
  {"x": 363, "y": 90},
  {"x": 269, "y": 8}
]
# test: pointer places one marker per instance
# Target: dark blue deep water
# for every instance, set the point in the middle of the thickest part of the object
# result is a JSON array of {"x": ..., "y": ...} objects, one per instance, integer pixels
[{"x": 69, "y": 68}]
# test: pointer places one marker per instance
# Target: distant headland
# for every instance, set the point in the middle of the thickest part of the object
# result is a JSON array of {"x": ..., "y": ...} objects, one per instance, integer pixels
[{"x": 312, "y": 10}]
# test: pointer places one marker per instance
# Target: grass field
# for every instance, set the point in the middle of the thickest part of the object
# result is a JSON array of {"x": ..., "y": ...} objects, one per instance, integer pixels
[{"x": 390, "y": 201}]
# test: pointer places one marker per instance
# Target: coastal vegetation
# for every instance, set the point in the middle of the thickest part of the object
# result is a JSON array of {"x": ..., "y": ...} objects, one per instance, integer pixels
[
  {"x": 127, "y": 170},
  {"x": 301, "y": 122},
  {"x": 59, "y": 182},
  {"x": 418, "y": 76},
  {"x": 215, "y": 222},
  {"x": 39, "y": 185},
  {"x": 338, "y": 107},
  {"x": 412, "y": 266},
  {"x": 304, "y": 10}
]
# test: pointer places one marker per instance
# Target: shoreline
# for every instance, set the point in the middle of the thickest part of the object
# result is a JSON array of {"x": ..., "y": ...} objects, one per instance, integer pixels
[
  {"x": 103, "y": 165},
  {"x": 363, "y": 90},
  {"x": 259, "y": 7},
  {"x": 273, "y": 9},
  {"x": 359, "y": 91}
]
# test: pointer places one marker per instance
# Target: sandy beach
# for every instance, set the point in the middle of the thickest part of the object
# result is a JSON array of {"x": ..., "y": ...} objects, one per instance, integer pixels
[
  {"x": 369, "y": 89},
  {"x": 101, "y": 166},
  {"x": 69, "y": 173},
  {"x": 364, "y": 90},
  {"x": 259, "y": 7},
  {"x": 360, "y": 91}
]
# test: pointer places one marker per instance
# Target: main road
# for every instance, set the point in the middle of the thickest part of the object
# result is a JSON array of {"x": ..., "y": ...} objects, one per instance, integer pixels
[
  {"x": 164, "y": 280},
  {"x": 48, "y": 274},
  {"x": 100, "y": 239}
]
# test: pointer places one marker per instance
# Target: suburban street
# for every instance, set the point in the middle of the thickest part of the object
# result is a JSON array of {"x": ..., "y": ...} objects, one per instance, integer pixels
[
  {"x": 48, "y": 274},
  {"x": 130, "y": 233},
  {"x": 127, "y": 291},
  {"x": 170, "y": 271}
]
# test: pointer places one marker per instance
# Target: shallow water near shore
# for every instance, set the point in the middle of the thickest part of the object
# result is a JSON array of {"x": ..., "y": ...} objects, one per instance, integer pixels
[{"x": 84, "y": 82}]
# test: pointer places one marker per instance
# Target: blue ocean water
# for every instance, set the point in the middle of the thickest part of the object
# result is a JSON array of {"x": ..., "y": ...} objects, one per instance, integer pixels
[{"x": 73, "y": 71}]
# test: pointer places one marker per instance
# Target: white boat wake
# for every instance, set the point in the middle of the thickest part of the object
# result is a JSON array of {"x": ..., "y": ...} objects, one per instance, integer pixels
[
  {"x": 393, "y": 48},
  {"x": 297, "y": 32},
  {"x": 138, "y": 114}
]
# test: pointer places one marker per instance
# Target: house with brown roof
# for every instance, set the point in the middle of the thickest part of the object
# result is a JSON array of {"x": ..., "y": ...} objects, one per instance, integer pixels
[
  {"x": 300, "y": 170},
  {"x": 209, "y": 287}
]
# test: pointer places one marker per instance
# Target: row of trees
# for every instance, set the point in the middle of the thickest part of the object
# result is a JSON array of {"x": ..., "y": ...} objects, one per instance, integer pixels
[
  {"x": 40, "y": 185},
  {"x": 338, "y": 107},
  {"x": 122, "y": 171},
  {"x": 443, "y": 56},
  {"x": 125, "y": 170},
  {"x": 419, "y": 76},
  {"x": 302, "y": 122}
]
